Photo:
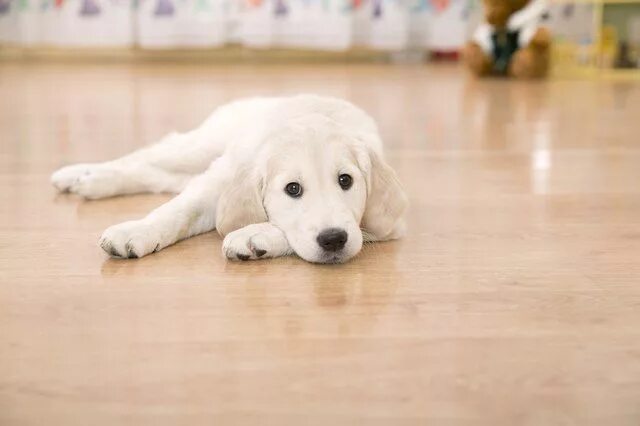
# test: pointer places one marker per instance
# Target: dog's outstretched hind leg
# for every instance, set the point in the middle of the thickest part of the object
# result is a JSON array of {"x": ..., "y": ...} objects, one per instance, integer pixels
[
  {"x": 166, "y": 166},
  {"x": 101, "y": 180}
]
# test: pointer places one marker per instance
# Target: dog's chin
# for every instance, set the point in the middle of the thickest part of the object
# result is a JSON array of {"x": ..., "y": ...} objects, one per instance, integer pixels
[
  {"x": 331, "y": 258},
  {"x": 318, "y": 256}
]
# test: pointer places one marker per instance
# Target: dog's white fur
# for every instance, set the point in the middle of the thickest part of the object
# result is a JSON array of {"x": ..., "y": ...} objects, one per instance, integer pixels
[{"x": 231, "y": 173}]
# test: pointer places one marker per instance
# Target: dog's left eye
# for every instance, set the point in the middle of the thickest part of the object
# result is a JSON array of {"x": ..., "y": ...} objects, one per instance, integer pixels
[
  {"x": 345, "y": 181},
  {"x": 293, "y": 189}
]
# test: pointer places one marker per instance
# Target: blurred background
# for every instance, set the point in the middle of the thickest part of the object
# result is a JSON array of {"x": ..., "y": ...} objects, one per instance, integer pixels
[{"x": 588, "y": 35}]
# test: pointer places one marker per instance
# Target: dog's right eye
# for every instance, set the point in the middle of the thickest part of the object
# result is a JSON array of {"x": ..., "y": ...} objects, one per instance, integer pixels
[{"x": 293, "y": 189}]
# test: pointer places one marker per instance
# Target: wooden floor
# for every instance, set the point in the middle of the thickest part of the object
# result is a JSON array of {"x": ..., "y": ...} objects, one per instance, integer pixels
[{"x": 514, "y": 300}]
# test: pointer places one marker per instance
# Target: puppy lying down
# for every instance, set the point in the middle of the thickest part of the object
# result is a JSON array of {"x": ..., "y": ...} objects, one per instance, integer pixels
[{"x": 274, "y": 176}]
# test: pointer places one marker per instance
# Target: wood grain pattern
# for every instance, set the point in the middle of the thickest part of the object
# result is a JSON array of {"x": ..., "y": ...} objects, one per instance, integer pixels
[{"x": 515, "y": 299}]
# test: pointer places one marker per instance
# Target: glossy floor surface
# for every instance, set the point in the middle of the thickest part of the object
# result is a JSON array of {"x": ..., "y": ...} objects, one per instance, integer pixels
[{"x": 514, "y": 300}]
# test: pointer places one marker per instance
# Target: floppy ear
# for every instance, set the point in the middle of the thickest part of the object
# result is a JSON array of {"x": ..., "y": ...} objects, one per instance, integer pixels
[
  {"x": 386, "y": 202},
  {"x": 240, "y": 204}
]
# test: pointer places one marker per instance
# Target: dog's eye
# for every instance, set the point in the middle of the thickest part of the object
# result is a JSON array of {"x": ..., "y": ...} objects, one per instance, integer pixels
[
  {"x": 345, "y": 181},
  {"x": 293, "y": 189}
]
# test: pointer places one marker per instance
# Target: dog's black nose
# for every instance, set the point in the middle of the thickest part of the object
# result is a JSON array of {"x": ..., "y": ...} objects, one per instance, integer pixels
[{"x": 332, "y": 239}]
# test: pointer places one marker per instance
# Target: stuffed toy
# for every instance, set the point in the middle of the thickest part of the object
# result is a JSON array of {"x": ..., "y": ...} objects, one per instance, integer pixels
[{"x": 511, "y": 41}]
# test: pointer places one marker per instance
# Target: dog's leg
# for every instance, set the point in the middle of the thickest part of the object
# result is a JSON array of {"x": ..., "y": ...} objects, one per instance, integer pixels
[
  {"x": 166, "y": 166},
  {"x": 190, "y": 213},
  {"x": 256, "y": 241},
  {"x": 102, "y": 180}
]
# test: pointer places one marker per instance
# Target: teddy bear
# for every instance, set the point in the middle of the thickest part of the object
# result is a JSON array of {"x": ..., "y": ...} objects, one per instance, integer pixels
[{"x": 512, "y": 40}]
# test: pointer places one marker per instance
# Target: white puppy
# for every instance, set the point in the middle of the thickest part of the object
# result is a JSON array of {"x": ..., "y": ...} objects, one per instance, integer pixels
[{"x": 299, "y": 174}]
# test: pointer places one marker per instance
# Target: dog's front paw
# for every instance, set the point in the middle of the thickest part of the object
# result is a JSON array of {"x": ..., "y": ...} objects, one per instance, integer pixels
[
  {"x": 90, "y": 181},
  {"x": 257, "y": 241},
  {"x": 130, "y": 239},
  {"x": 243, "y": 245}
]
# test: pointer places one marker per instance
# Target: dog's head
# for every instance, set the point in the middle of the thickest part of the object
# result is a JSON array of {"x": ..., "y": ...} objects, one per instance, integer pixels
[{"x": 321, "y": 185}]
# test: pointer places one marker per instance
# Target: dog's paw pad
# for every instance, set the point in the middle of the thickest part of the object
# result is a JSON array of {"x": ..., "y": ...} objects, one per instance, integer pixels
[
  {"x": 254, "y": 242},
  {"x": 130, "y": 240},
  {"x": 131, "y": 253},
  {"x": 108, "y": 247},
  {"x": 238, "y": 245}
]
